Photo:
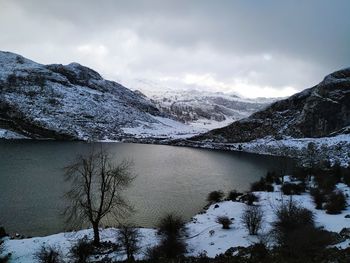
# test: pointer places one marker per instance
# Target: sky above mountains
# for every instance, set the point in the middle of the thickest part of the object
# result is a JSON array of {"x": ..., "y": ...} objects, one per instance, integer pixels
[{"x": 254, "y": 48}]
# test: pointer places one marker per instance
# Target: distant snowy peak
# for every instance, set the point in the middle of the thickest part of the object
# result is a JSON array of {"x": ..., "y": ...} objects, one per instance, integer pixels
[
  {"x": 323, "y": 110},
  {"x": 72, "y": 102},
  {"x": 203, "y": 108}
]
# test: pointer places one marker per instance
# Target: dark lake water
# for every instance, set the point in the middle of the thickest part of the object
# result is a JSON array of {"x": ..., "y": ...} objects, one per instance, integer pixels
[{"x": 169, "y": 179}]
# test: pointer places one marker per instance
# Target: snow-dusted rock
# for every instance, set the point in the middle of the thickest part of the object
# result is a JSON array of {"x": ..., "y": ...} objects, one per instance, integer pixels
[{"x": 73, "y": 102}]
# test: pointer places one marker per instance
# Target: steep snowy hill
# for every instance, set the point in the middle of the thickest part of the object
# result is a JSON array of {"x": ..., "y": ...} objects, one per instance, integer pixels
[
  {"x": 323, "y": 110},
  {"x": 74, "y": 102}
]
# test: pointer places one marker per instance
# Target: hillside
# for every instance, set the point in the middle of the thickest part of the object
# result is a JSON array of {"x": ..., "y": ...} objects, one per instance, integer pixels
[
  {"x": 74, "y": 102},
  {"x": 320, "y": 111},
  {"x": 206, "y": 109}
]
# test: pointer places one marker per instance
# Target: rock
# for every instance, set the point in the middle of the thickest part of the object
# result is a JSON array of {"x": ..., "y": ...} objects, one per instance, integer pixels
[
  {"x": 347, "y": 216},
  {"x": 216, "y": 206},
  {"x": 211, "y": 232}
]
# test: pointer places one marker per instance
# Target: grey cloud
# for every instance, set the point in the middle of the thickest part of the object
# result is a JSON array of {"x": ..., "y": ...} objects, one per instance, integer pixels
[{"x": 305, "y": 39}]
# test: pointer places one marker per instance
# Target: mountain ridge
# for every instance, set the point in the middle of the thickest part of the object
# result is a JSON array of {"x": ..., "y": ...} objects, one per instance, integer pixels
[
  {"x": 69, "y": 102},
  {"x": 315, "y": 112}
]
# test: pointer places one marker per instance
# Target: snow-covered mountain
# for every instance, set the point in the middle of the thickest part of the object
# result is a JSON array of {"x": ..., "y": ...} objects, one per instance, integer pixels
[
  {"x": 320, "y": 111},
  {"x": 74, "y": 102},
  {"x": 204, "y": 109}
]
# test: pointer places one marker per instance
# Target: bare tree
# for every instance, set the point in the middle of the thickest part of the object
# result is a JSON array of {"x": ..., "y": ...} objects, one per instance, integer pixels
[
  {"x": 129, "y": 238},
  {"x": 95, "y": 193}
]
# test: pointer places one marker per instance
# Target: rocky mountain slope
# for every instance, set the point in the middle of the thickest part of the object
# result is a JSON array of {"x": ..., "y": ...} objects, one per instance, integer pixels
[
  {"x": 320, "y": 111},
  {"x": 206, "y": 109},
  {"x": 73, "y": 102}
]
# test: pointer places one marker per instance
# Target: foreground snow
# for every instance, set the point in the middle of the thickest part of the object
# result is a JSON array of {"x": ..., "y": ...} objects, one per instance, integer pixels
[
  {"x": 204, "y": 234},
  {"x": 22, "y": 250},
  {"x": 201, "y": 225}
]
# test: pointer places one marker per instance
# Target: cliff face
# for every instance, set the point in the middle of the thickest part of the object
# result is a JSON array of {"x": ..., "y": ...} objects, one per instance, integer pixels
[{"x": 320, "y": 111}]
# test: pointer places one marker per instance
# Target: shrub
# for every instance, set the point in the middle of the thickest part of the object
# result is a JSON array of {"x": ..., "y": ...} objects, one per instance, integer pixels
[
  {"x": 224, "y": 221},
  {"x": 129, "y": 238},
  {"x": 48, "y": 254},
  {"x": 296, "y": 234},
  {"x": 171, "y": 224},
  {"x": 233, "y": 195},
  {"x": 81, "y": 251},
  {"x": 336, "y": 203},
  {"x": 261, "y": 185},
  {"x": 305, "y": 242},
  {"x": 293, "y": 189},
  {"x": 326, "y": 182},
  {"x": 289, "y": 217},
  {"x": 153, "y": 254},
  {"x": 252, "y": 219},
  {"x": 259, "y": 252},
  {"x": 215, "y": 196},
  {"x": 172, "y": 230},
  {"x": 301, "y": 173},
  {"x": 250, "y": 198},
  {"x": 319, "y": 197},
  {"x": 270, "y": 177}
]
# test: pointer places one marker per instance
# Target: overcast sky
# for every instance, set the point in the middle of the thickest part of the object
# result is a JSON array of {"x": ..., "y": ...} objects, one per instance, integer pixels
[{"x": 255, "y": 48}]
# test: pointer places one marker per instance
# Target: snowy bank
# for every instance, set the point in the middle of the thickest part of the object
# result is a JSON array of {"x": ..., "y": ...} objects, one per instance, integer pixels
[{"x": 204, "y": 234}]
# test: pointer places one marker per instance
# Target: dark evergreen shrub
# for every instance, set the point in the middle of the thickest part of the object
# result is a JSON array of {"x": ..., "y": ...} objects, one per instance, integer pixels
[
  {"x": 326, "y": 182},
  {"x": 225, "y": 221},
  {"x": 215, "y": 196},
  {"x": 249, "y": 198},
  {"x": 336, "y": 202},
  {"x": 233, "y": 195},
  {"x": 270, "y": 177},
  {"x": 319, "y": 197},
  {"x": 261, "y": 185},
  {"x": 172, "y": 229},
  {"x": 293, "y": 189}
]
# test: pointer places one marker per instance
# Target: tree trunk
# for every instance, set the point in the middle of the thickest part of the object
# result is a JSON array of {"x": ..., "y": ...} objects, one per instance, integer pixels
[{"x": 96, "y": 234}]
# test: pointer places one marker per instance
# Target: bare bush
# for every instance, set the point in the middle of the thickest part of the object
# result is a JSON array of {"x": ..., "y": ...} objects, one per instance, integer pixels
[
  {"x": 82, "y": 250},
  {"x": 252, "y": 219},
  {"x": 48, "y": 254},
  {"x": 225, "y": 221},
  {"x": 129, "y": 238}
]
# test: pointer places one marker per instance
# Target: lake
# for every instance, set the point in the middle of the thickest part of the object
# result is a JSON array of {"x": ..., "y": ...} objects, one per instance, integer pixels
[{"x": 169, "y": 179}]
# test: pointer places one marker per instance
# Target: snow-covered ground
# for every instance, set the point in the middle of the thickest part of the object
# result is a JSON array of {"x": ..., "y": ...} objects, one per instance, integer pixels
[
  {"x": 10, "y": 135},
  {"x": 204, "y": 234},
  {"x": 164, "y": 128},
  {"x": 336, "y": 148}
]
